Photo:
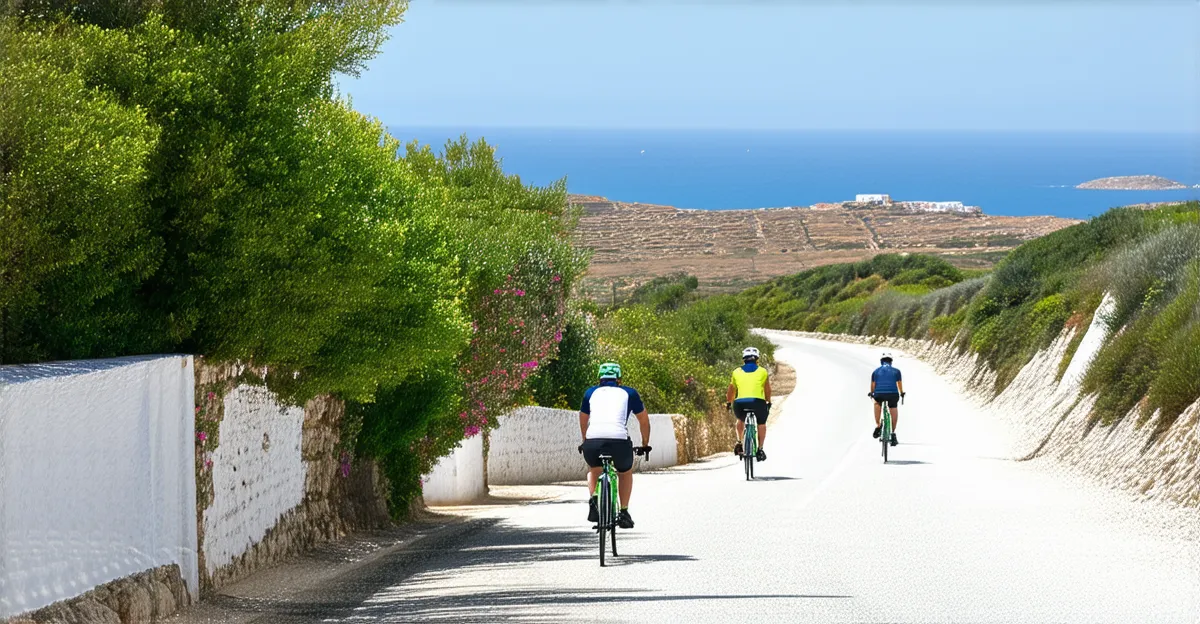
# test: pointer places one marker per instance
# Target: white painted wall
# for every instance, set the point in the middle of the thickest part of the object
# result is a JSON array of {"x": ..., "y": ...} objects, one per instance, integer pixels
[
  {"x": 662, "y": 440},
  {"x": 254, "y": 483},
  {"x": 458, "y": 477},
  {"x": 539, "y": 445},
  {"x": 97, "y": 476}
]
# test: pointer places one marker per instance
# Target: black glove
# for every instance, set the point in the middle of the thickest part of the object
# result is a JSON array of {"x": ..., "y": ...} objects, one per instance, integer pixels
[
  {"x": 871, "y": 394},
  {"x": 902, "y": 396},
  {"x": 642, "y": 450},
  {"x": 580, "y": 449}
]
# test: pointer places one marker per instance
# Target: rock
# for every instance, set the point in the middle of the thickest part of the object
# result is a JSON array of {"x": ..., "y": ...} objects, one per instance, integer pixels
[
  {"x": 134, "y": 605},
  {"x": 162, "y": 601},
  {"x": 1133, "y": 183},
  {"x": 90, "y": 611},
  {"x": 170, "y": 576},
  {"x": 106, "y": 596}
]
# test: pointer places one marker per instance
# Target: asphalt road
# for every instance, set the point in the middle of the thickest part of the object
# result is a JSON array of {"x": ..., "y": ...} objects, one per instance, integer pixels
[{"x": 949, "y": 531}]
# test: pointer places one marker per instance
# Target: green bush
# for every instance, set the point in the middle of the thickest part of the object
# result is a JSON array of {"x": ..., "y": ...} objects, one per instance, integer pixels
[
  {"x": 562, "y": 382},
  {"x": 665, "y": 293}
]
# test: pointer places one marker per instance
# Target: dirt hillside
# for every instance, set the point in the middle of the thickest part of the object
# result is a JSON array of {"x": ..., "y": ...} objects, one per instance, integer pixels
[{"x": 731, "y": 249}]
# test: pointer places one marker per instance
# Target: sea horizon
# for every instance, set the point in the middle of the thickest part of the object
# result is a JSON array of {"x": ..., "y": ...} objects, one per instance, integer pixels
[{"x": 1002, "y": 172}]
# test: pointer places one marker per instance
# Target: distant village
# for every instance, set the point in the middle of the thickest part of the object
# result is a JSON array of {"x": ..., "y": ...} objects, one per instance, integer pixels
[{"x": 886, "y": 201}]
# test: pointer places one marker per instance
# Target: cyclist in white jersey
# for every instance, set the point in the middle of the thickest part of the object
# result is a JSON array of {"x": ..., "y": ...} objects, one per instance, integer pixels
[{"x": 603, "y": 422}]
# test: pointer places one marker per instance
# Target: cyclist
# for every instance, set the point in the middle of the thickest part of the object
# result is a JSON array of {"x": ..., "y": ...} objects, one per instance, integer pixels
[
  {"x": 603, "y": 422},
  {"x": 750, "y": 391},
  {"x": 886, "y": 387}
]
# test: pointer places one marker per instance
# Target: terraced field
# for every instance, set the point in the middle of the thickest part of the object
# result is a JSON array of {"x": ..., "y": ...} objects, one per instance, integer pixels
[{"x": 730, "y": 249}]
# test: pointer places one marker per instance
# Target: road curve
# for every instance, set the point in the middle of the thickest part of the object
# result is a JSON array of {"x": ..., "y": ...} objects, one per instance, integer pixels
[{"x": 948, "y": 532}]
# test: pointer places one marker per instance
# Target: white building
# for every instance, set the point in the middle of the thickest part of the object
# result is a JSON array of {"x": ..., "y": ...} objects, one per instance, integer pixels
[{"x": 873, "y": 199}]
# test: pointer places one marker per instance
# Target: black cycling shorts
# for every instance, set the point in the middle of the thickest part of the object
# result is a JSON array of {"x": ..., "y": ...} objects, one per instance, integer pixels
[
  {"x": 758, "y": 406},
  {"x": 890, "y": 398},
  {"x": 621, "y": 452}
]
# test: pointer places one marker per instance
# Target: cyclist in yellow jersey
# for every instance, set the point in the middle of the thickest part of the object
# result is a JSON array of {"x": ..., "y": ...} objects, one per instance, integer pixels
[{"x": 750, "y": 392}]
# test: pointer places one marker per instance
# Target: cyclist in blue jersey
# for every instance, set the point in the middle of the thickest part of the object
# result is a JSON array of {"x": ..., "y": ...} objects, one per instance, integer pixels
[
  {"x": 886, "y": 387},
  {"x": 603, "y": 419}
]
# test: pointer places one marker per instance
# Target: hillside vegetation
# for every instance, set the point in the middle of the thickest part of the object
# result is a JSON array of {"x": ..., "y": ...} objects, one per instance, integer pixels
[
  {"x": 676, "y": 349},
  {"x": 1148, "y": 260}
]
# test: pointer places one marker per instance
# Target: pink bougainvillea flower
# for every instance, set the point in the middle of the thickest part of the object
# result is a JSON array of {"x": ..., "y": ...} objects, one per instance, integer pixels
[
  {"x": 471, "y": 431},
  {"x": 211, "y": 395},
  {"x": 520, "y": 293},
  {"x": 556, "y": 278},
  {"x": 197, "y": 409},
  {"x": 529, "y": 364},
  {"x": 558, "y": 336},
  {"x": 201, "y": 436}
]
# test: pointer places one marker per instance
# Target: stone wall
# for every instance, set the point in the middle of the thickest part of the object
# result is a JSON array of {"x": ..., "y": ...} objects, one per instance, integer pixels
[
  {"x": 701, "y": 437},
  {"x": 535, "y": 445},
  {"x": 143, "y": 598},
  {"x": 460, "y": 477},
  {"x": 273, "y": 479}
]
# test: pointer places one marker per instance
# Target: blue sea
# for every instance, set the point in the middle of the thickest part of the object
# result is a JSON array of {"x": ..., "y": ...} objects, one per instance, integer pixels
[{"x": 1005, "y": 174}]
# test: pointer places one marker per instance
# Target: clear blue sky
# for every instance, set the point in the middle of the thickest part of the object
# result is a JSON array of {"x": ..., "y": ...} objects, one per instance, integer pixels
[{"x": 1065, "y": 65}]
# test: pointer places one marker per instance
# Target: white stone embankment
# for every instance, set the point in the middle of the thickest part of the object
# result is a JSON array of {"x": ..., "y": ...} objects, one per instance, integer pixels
[{"x": 1050, "y": 420}]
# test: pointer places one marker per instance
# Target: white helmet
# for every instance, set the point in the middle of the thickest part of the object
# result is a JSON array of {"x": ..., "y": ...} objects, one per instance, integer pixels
[
  {"x": 749, "y": 352},
  {"x": 886, "y": 357}
]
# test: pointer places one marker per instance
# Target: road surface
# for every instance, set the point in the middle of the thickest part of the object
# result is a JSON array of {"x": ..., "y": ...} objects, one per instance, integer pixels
[{"x": 949, "y": 531}]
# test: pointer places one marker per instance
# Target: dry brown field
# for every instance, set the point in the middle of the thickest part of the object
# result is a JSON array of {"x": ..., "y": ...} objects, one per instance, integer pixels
[{"x": 731, "y": 249}]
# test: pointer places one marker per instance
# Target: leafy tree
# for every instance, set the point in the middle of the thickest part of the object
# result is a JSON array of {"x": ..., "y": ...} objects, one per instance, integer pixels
[{"x": 75, "y": 227}]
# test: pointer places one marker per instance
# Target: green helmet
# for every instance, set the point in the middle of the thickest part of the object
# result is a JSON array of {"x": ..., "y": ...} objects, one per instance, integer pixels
[{"x": 610, "y": 370}]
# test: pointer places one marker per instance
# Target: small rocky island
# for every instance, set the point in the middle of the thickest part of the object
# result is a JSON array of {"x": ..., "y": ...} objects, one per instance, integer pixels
[{"x": 1133, "y": 183}]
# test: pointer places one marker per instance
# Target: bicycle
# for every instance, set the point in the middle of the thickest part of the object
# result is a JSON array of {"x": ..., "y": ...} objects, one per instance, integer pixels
[
  {"x": 885, "y": 427},
  {"x": 608, "y": 501}
]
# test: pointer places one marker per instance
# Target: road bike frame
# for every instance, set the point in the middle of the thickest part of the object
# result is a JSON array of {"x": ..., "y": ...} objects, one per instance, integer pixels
[
  {"x": 608, "y": 502},
  {"x": 885, "y": 436},
  {"x": 750, "y": 444}
]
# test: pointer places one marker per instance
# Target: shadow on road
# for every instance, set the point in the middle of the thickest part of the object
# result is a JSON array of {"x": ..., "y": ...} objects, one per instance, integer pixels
[
  {"x": 776, "y": 478},
  {"x": 424, "y": 581},
  {"x": 907, "y": 462},
  {"x": 525, "y": 605}
]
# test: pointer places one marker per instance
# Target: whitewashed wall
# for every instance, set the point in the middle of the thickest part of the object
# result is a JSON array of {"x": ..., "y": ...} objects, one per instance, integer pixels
[
  {"x": 97, "y": 476},
  {"x": 540, "y": 445},
  {"x": 258, "y": 473},
  {"x": 662, "y": 439},
  {"x": 458, "y": 477}
]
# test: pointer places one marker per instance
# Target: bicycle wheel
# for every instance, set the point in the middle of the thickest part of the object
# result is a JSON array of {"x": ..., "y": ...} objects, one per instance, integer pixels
[
  {"x": 614, "y": 540},
  {"x": 605, "y": 503},
  {"x": 886, "y": 435},
  {"x": 749, "y": 448}
]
